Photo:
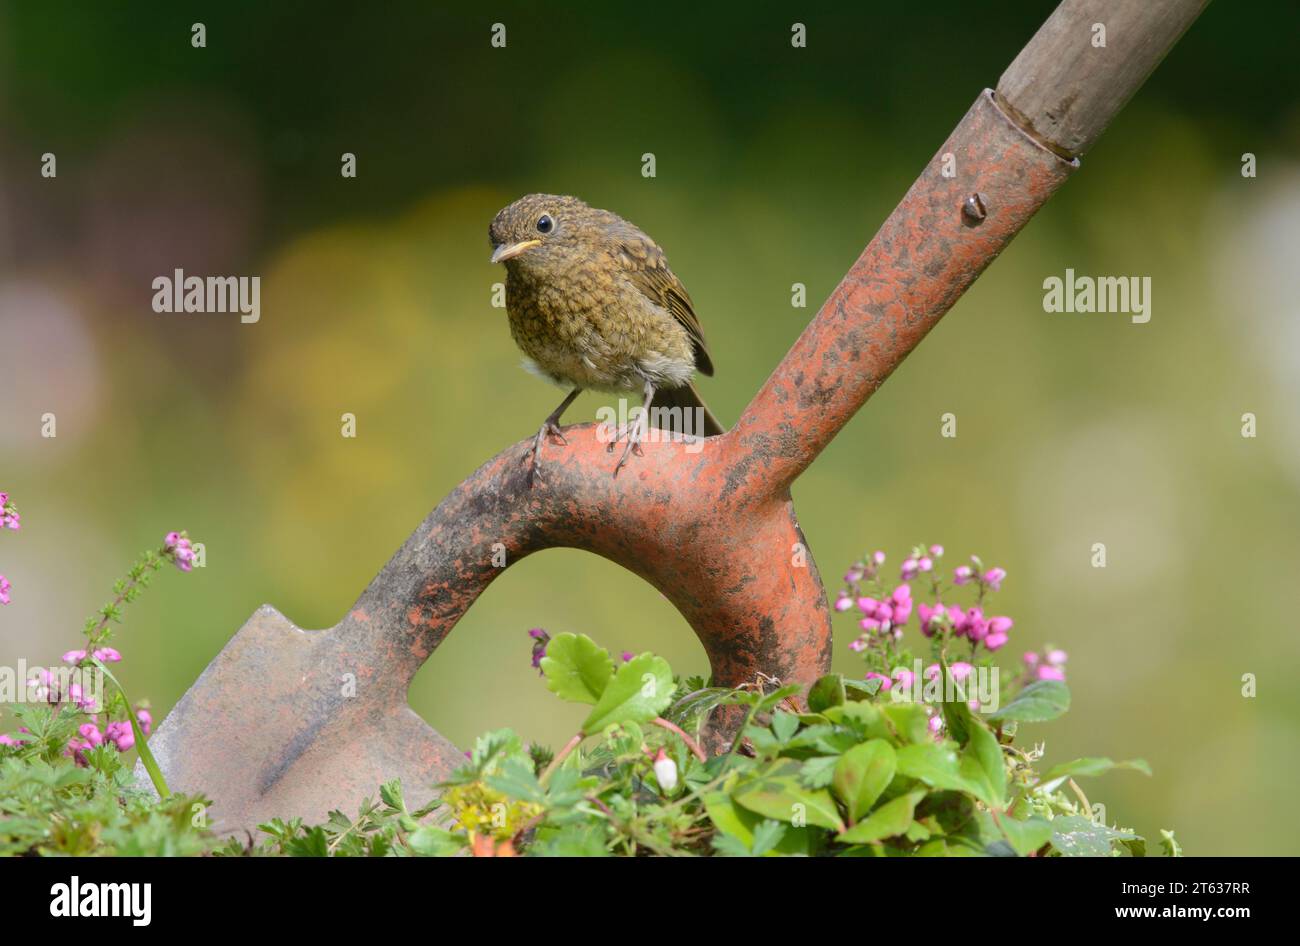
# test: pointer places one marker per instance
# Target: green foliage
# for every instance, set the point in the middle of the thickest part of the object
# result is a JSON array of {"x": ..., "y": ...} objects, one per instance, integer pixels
[
  {"x": 860, "y": 774},
  {"x": 50, "y": 805},
  {"x": 857, "y": 774}
]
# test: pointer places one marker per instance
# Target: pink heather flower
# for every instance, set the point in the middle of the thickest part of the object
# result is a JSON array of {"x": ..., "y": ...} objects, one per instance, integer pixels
[
  {"x": 878, "y": 557},
  {"x": 74, "y": 656},
  {"x": 854, "y": 574},
  {"x": 960, "y": 670},
  {"x": 145, "y": 720},
  {"x": 1031, "y": 659},
  {"x": 883, "y": 615},
  {"x": 8, "y": 740},
  {"x": 994, "y": 577},
  {"x": 998, "y": 628},
  {"x": 936, "y": 551},
  {"x": 540, "y": 640},
  {"x": 843, "y": 602},
  {"x": 962, "y": 574},
  {"x": 935, "y": 724},
  {"x": 1057, "y": 657},
  {"x": 4, "y": 589},
  {"x": 41, "y": 687},
  {"x": 177, "y": 547},
  {"x": 120, "y": 735},
  {"x": 9, "y": 518},
  {"x": 904, "y": 678},
  {"x": 90, "y": 738},
  {"x": 931, "y": 617},
  {"x": 78, "y": 696},
  {"x": 971, "y": 624},
  {"x": 627, "y": 655},
  {"x": 909, "y": 569},
  {"x": 90, "y": 732},
  {"x": 885, "y": 682},
  {"x": 901, "y": 602},
  {"x": 1046, "y": 672},
  {"x": 924, "y": 563},
  {"x": 857, "y": 645},
  {"x": 107, "y": 655}
]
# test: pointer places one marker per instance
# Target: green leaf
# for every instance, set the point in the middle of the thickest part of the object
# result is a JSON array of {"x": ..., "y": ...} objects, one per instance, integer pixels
[
  {"x": 956, "y": 713},
  {"x": 1040, "y": 701},
  {"x": 910, "y": 720},
  {"x": 141, "y": 744},
  {"x": 312, "y": 844},
  {"x": 818, "y": 771},
  {"x": 1093, "y": 765},
  {"x": 826, "y": 692},
  {"x": 574, "y": 840},
  {"x": 435, "y": 842},
  {"x": 742, "y": 827},
  {"x": 576, "y": 669},
  {"x": 778, "y": 794},
  {"x": 515, "y": 778},
  {"x": 728, "y": 845},
  {"x": 767, "y": 835},
  {"x": 784, "y": 725},
  {"x": 1029, "y": 835},
  {"x": 391, "y": 793},
  {"x": 1169, "y": 845},
  {"x": 982, "y": 764},
  {"x": 935, "y": 765},
  {"x": 1077, "y": 836},
  {"x": 641, "y": 689},
  {"x": 890, "y": 819},
  {"x": 858, "y": 690},
  {"x": 862, "y": 774}
]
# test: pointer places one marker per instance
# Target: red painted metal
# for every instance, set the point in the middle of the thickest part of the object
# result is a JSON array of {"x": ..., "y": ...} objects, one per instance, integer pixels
[{"x": 268, "y": 728}]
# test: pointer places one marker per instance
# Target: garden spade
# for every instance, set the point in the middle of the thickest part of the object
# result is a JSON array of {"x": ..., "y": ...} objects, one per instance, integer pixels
[{"x": 292, "y": 723}]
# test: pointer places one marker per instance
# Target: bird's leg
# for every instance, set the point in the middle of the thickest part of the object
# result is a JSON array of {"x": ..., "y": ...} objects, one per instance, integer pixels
[
  {"x": 551, "y": 427},
  {"x": 638, "y": 429}
]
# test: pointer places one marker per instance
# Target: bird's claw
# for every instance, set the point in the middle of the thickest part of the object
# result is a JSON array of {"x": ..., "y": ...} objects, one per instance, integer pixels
[
  {"x": 549, "y": 430},
  {"x": 634, "y": 435}
]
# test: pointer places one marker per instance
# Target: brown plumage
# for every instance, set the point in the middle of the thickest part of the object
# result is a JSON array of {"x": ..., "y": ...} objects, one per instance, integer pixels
[{"x": 593, "y": 305}]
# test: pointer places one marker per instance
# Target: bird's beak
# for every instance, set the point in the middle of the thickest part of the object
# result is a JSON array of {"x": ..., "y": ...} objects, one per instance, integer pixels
[{"x": 505, "y": 251}]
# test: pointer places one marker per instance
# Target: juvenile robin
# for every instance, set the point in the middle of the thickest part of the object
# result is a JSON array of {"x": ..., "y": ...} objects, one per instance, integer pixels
[{"x": 593, "y": 305}]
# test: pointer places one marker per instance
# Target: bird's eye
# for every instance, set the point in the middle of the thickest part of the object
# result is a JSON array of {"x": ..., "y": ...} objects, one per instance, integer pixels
[{"x": 545, "y": 224}]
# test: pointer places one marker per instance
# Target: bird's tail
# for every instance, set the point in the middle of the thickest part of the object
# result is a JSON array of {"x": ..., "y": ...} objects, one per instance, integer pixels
[{"x": 694, "y": 417}]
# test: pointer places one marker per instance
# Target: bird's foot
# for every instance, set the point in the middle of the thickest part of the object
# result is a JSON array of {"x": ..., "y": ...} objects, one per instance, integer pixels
[
  {"x": 635, "y": 432},
  {"x": 619, "y": 434},
  {"x": 549, "y": 429}
]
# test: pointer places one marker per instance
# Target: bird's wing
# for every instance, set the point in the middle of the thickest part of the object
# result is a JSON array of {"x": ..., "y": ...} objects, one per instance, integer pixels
[{"x": 646, "y": 266}]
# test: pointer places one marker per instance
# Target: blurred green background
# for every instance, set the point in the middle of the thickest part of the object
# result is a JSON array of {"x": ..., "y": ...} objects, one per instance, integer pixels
[{"x": 775, "y": 166}]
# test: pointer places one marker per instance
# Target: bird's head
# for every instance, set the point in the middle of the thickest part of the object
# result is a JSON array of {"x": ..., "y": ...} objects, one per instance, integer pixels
[{"x": 541, "y": 227}]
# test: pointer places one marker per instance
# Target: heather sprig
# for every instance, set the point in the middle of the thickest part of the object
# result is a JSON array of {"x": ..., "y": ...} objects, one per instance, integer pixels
[{"x": 9, "y": 519}]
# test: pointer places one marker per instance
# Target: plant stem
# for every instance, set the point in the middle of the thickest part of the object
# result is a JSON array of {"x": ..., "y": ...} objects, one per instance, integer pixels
[
  {"x": 690, "y": 743},
  {"x": 562, "y": 755},
  {"x": 141, "y": 746}
]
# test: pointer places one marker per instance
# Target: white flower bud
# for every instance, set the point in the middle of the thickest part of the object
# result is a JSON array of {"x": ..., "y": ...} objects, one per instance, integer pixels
[{"x": 665, "y": 771}]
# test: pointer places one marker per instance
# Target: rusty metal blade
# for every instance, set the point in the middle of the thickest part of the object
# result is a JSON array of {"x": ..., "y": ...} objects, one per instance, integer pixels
[{"x": 286, "y": 722}]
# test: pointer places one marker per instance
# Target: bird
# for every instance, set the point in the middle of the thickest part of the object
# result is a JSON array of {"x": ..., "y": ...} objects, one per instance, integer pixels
[{"x": 593, "y": 305}]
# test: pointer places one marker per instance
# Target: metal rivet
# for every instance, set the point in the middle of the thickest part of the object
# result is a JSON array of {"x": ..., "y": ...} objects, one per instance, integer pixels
[{"x": 975, "y": 209}]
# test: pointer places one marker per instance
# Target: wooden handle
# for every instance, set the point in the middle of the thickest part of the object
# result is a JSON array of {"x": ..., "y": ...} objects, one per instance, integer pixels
[{"x": 1065, "y": 86}]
